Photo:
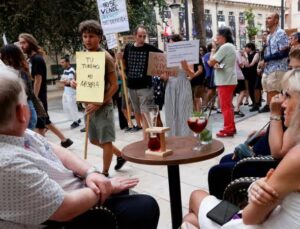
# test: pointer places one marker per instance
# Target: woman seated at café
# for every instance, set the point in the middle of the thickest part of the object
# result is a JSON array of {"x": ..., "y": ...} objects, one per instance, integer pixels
[
  {"x": 274, "y": 201},
  {"x": 270, "y": 142}
]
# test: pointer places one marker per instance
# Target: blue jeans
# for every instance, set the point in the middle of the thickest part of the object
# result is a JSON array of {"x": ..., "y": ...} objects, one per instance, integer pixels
[{"x": 33, "y": 116}]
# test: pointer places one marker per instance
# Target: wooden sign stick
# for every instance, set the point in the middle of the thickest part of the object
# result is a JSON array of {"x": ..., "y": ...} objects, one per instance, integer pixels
[
  {"x": 128, "y": 109},
  {"x": 87, "y": 124}
]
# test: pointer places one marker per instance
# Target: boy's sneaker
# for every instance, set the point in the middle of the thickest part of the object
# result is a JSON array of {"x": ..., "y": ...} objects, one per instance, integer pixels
[
  {"x": 66, "y": 143},
  {"x": 74, "y": 125},
  {"x": 79, "y": 121},
  {"x": 82, "y": 130},
  {"x": 120, "y": 162}
]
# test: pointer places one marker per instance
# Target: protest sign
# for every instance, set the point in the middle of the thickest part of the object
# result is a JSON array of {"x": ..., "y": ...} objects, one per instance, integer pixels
[
  {"x": 111, "y": 40},
  {"x": 90, "y": 67},
  {"x": 113, "y": 16},
  {"x": 182, "y": 50},
  {"x": 157, "y": 65}
]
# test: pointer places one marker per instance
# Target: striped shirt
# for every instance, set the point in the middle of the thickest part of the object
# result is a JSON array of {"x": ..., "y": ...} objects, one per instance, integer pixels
[{"x": 69, "y": 74}]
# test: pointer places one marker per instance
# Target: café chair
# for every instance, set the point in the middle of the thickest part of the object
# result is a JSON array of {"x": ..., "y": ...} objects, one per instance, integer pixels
[
  {"x": 107, "y": 220},
  {"x": 257, "y": 166}
]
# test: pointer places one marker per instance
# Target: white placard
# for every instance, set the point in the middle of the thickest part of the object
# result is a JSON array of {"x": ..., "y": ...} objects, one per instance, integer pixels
[
  {"x": 182, "y": 50},
  {"x": 113, "y": 16},
  {"x": 111, "y": 40}
]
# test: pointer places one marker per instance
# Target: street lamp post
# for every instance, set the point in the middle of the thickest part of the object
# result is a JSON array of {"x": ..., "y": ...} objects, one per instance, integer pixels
[
  {"x": 186, "y": 13},
  {"x": 282, "y": 14}
]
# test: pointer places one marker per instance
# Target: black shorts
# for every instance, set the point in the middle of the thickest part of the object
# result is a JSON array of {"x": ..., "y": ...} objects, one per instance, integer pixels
[
  {"x": 42, "y": 122},
  {"x": 240, "y": 86},
  {"x": 210, "y": 84}
]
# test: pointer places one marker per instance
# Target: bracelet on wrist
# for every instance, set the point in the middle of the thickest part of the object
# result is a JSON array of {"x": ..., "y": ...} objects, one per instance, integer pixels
[{"x": 275, "y": 118}]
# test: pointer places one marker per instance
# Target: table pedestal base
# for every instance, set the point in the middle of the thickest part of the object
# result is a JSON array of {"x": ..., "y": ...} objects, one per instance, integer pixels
[{"x": 175, "y": 195}]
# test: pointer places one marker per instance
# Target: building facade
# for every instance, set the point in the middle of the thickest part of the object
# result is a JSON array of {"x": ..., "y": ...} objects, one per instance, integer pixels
[
  {"x": 217, "y": 13},
  {"x": 292, "y": 14}
]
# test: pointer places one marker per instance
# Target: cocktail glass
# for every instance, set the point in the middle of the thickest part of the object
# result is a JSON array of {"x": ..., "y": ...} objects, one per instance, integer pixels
[{"x": 197, "y": 123}]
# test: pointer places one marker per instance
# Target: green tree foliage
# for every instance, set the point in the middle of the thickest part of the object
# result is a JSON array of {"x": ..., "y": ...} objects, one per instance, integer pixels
[
  {"x": 142, "y": 12},
  {"x": 54, "y": 23},
  {"x": 252, "y": 30}
]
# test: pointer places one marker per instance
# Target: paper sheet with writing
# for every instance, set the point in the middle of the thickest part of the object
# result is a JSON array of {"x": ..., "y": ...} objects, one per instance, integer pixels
[
  {"x": 90, "y": 68},
  {"x": 157, "y": 65},
  {"x": 182, "y": 50},
  {"x": 111, "y": 40}
]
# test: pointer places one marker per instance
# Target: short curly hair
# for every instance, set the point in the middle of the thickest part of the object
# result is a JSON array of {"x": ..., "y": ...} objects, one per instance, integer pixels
[{"x": 90, "y": 26}]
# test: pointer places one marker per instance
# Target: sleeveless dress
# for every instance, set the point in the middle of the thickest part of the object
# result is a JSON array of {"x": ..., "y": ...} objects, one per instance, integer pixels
[
  {"x": 178, "y": 104},
  {"x": 287, "y": 215}
]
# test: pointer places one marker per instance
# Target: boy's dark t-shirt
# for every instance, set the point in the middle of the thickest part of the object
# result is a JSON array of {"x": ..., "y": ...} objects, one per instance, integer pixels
[
  {"x": 38, "y": 67},
  {"x": 136, "y": 59}
]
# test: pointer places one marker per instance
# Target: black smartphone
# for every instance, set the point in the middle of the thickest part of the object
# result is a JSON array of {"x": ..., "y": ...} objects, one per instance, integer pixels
[{"x": 223, "y": 212}]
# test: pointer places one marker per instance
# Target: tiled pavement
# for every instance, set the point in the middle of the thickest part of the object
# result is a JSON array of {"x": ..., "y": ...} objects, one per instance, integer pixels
[{"x": 153, "y": 179}]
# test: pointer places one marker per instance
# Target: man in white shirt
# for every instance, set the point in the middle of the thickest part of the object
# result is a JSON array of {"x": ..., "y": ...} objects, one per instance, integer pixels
[{"x": 40, "y": 181}]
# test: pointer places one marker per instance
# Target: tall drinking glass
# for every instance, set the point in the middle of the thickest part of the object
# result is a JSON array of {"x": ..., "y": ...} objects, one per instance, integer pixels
[{"x": 150, "y": 113}]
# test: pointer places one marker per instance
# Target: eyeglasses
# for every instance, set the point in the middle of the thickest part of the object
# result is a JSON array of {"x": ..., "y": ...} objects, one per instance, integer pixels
[{"x": 142, "y": 36}]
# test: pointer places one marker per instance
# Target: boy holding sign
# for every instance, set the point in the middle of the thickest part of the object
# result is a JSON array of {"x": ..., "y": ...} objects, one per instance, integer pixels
[{"x": 102, "y": 127}]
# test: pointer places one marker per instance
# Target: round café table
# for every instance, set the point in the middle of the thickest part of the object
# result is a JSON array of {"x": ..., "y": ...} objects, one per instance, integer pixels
[{"x": 183, "y": 153}]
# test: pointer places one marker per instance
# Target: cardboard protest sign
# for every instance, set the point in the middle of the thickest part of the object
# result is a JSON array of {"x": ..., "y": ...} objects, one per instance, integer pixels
[
  {"x": 157, "y": 64},
  {"x": 113, "y": 16},
  {"x": 182, "y": 50},
  {"x": 90, "y": 68}
]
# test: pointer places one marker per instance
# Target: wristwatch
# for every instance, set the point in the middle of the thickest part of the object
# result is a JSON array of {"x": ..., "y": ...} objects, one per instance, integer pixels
[
  {"x": 275, "y": 117},
  {"x": 91, "y": 170}
]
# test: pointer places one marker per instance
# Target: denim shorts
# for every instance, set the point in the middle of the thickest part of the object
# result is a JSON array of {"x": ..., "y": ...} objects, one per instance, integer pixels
[{"x": 33, "y": 116}]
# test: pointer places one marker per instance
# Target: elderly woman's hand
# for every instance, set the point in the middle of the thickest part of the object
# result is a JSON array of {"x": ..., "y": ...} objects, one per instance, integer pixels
[
  {"x": 275, "y": 104},
  {"x": 261, "y": 193}
]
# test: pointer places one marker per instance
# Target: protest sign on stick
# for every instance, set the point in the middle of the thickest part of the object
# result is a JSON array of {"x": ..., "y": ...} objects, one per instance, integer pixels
[
  {"x": 90, "y": 67},
  {"x": 157, "y": 65},
  {"x": 111, "y": 40},
  {"x": 113, "y": 16}
]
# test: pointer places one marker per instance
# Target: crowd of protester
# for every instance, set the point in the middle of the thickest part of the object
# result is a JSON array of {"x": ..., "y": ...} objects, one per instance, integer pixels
[{"x": 66, "y": 188}]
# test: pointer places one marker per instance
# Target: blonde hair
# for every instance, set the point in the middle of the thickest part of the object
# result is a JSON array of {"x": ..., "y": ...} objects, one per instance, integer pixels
[{"x": 291, "y": 80}]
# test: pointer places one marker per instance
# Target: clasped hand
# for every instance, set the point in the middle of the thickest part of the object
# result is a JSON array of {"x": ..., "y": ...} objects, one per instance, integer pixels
[
  {"x": 104, "y": 187},
  {"x": 261, "y": 193}
]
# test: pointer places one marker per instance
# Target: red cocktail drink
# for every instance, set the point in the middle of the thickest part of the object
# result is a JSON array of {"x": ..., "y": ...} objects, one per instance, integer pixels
[
  {"x": 197, "y": 124},
  {"x": 154, "y": 143}
]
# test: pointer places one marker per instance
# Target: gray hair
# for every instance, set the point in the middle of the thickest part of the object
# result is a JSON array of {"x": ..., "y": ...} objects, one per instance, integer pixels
[{"x": 12, "y": 93}]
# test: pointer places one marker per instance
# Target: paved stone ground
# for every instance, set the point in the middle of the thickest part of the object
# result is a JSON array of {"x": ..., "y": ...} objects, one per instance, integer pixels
[{"x": 153, "y": 179}]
